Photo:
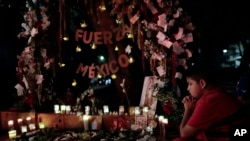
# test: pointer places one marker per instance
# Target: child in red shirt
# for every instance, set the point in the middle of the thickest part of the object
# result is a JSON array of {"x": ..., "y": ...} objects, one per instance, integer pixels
[{"x": 209, "y": 111}]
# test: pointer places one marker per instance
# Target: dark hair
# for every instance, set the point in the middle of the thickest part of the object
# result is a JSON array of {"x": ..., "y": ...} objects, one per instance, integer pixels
[{"x": 207, "y": 73}]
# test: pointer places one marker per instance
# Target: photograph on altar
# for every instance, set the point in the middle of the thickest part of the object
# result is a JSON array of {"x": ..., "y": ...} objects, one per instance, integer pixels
[
  {"x": 149, "y": 92},
  {"x": 141, "y": 121}
]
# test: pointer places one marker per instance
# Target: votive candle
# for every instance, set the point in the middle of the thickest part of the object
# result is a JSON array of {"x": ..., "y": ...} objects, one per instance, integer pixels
[
  {"x": 32, "y": 126},
  {"x": 56, "y": 109},
  {"x": 121, "y": 110},
  {"x": 12, "y": 134},
  {"x": 137, "y": 110},
  {"x": 28, "y": 119},
  {"x": 145, "y": 110},
  {"x": 165, "y": 121},
  {"x": 24, "y": 129},
  {"x": 87, "y": 110},
  {"x": 131, "y": 110},
  {"x": 86, "y": 122},
  {"x": 20, "y": 121},
  {"x": 68, "y": 109},
  {"x": 105, "y": 109},
  {"x": 63, "y": 108},
  {"x": 10, "y": 123},
  {"x": 160, "y": 118},
  {"x": 41, "y": 125}
]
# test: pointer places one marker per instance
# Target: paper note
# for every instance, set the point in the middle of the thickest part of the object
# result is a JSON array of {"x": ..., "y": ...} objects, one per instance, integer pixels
[
  {"x": 179, "y": 35},
  {"x": 161, "y": 36},
  {"x": 19, "y": 89},
  {"x": 165, "y": 43},
  {"x": 39, "y": 79},
  {"x": 134, "y": 19},
  {"x": 188, "y": 38}
]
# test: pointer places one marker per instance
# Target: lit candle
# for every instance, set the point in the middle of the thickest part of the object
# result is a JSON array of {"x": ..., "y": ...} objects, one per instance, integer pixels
[
  {"x": 160, "y": 118},
  {"x": 10, "y": 123},
  {"x": 41, "y": 125},
  {"x": 87, "y": 110},
  {"x": 28, "y": 119},
  {"x": 145, "y": 110},
  {"x": 56, "y": 109},
  {"x": 105, "y": 109},
  {"x": 12, "y": 134},
  {"x": 121, "y": 110},
  {"x": 137, "y": 110},
  {"x": 86, "y": 122},
  {"x": 32, "y": 126},
  {"x": 20, "y": 121},
  {"x": 24, "y": 129},
  {"x": 165, "y": 121},
  {"x": 68, "y": 109},
  {"x": 63, "y": 108},
  {"x": 131, "y": 110}
]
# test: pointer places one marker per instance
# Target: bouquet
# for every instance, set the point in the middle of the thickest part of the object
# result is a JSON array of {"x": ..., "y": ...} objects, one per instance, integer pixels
[{"x": 171, "y": 105}]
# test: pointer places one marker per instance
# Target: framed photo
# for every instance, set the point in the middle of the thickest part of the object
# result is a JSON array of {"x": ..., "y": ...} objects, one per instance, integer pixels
[{"x": 148, "y": 91}]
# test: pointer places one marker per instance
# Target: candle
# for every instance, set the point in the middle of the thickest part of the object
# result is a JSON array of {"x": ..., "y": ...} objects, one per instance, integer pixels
[
  {"x": 41, "y": 125},
  {"x": 137, "y": 110},
  {"x": 105, "y": 109},
  {"x": 56, "y": 109},
  {"x": 87, "y": 110},
  {"x": 12, "y": 134},
  {"x": 121, "y": 110},
  {"x": 68, "y": 109},
  {"x": 20, "y": 121},
  {"x": 131, "y": 110},
  {"x": 10, "y": 123},
  {"x": 24, "y": 129},
  {"x": 160, "y": 118},
  {"x": 165, "y": 121},
  {"x": 28, "y": 119},
  {"x": 86, "y": 122},
  {"x": 145, "y": 110},
  {"x": 32, "y": 126},
  {"x": 63, "y": 108}
]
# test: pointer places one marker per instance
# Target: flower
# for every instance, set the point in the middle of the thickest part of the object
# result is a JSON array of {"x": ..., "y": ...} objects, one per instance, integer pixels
[
  {"x": 168, "y": 107},
  {"x": 170, "y": 103}
]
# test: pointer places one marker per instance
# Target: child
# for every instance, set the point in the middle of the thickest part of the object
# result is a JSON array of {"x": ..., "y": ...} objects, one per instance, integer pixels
[{"x": 209, "y": 111}]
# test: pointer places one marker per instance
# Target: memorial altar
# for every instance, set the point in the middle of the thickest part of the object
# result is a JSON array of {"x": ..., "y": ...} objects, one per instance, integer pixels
[{"x": 31, "y": 126}]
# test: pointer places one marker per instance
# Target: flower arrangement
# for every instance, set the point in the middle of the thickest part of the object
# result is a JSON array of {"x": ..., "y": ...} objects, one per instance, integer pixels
[
  {"x": 35, "y": 67},
  {"x": 171, "y": 105}
]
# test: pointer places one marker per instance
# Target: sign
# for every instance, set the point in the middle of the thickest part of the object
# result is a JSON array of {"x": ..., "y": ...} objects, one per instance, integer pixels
[
  {"x": 102, "y": 37},
  {"x": 104, "y": 69}
]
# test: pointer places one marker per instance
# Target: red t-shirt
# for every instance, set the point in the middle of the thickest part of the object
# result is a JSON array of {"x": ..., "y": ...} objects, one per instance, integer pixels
[{"x": 210, "y": 110}]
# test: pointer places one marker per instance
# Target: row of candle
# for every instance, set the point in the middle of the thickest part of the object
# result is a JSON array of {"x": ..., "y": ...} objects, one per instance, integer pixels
[
  {"x": 132, "y": 110},
  {"x": 29, "y": 126},
  {"x": 162, "y": 119},
  {"x": 62, "y": 109}
]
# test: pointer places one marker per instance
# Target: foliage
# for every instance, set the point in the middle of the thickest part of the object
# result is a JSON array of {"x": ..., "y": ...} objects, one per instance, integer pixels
[
  {"x": 171, "y": 105},
  {"x": 36, "y": 66}
]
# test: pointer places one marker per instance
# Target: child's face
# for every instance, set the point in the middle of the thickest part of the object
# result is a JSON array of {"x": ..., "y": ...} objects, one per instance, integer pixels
[{"x": 195, "y": 88}]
